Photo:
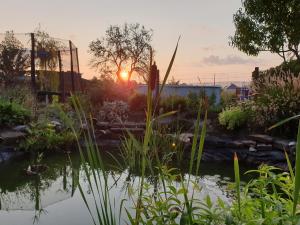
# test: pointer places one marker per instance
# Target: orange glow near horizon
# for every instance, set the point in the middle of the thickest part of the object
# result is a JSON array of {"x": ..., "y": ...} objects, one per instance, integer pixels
[{"x": 124, "y": 75}]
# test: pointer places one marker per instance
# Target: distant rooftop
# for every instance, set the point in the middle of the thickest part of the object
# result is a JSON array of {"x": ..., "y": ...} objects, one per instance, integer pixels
[{"x": 187, "y": 86}]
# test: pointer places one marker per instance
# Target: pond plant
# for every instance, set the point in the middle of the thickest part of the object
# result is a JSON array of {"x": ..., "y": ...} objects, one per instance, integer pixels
[{"x": 270, "y": 198}]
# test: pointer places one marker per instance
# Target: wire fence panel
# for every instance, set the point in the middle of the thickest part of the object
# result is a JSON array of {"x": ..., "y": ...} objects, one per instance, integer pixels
[{"x": 49, "y": 65}]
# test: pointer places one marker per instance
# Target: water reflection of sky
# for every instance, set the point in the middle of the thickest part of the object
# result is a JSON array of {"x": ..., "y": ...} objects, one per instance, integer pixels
[{"x": 54, "y": 198}]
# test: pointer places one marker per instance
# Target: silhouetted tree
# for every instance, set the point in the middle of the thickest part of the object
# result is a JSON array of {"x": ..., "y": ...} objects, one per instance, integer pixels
[
  {"x": 268, "y": 26},
  {"x": 13, "y": 59},
  {"x": 126, "y": 46},
  {"x": 46, "y": 48},
  {"x": 173, "y": 81}
]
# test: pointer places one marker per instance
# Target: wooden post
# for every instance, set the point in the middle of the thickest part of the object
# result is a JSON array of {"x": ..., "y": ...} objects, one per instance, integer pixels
[
  {"x": 61, "y": 79},
  {"x": 33, "y": 84},
  {"x": 214, "y": 80},
  {"x": 78, "y": 71},
  {"x": 72, "y": 69},
  {"x": 77, "y": 60}
]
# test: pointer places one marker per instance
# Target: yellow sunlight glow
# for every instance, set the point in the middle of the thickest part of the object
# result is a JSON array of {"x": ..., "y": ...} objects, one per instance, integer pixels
[{"x": 124, "y": 75}]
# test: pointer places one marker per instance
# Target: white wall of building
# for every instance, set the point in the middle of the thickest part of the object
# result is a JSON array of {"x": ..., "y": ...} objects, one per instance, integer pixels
[{"x": 184, "y": 90}]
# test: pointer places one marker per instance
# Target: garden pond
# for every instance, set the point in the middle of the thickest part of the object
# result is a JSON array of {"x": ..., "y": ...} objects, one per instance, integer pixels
[{"x": 54, "y": 197}]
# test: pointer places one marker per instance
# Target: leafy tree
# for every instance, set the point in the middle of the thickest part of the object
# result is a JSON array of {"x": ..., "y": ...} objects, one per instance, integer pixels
[
  {"x": 126, "y": 46},
  {"x": 46, "y": 48},
  {"x": 173, "y": 81},
  {"x": 263, "y": 25},
  {"x": 47, "y": 59},
  {"x": 13, "y": 59}
]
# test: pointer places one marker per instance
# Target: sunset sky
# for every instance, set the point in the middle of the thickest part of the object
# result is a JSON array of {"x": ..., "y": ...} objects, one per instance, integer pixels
[{"x": 205, "y": 27}]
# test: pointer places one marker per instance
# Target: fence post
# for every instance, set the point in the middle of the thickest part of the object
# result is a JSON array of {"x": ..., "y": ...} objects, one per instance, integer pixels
[
  {"x": 72, "y": 69},
  {"x": 61, "y": 79},
  {"x": 33, "y": 84},
  {"x": 78, "y": 71}
]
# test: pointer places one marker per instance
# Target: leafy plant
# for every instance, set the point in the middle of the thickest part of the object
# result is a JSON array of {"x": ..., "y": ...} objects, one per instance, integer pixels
[
  {"x": 227, "y": 99},
  {"x": 45, "y": 137},
  {"x": 116, "y": 111},
  {"x": 12, "y": 113},
  {"x": 14, "y": 60},
  {"x": 174, "y": 102},
  {"x": 233, "y": 118},
  {"x": 277, "y": 97}
]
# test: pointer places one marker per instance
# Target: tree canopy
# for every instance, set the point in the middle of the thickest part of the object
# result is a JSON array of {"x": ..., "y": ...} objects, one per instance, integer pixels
[
  {"x": 126, "y": 47},
  {"x": 268, "y": 25},
  {"x": 13, "y": 59}
]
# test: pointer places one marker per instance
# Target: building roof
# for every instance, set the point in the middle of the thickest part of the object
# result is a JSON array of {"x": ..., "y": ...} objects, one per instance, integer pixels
[{"x": 232, "y": 86}]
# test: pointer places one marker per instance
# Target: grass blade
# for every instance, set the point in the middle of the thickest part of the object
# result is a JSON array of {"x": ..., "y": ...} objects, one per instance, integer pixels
[
  {"x": 289, "y": 165},
  {"x": 297, "y": 173},
  {"x": 284, "y": 121},
  {"x": 237, "y": 182}
]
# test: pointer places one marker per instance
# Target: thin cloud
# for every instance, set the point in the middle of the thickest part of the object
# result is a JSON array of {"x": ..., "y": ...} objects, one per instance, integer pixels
[{"x": 228, "y": 60}]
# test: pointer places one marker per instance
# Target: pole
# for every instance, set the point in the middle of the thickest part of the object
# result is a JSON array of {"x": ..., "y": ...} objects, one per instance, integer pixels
[
  {"x": 33, "y": 84},
  {"x": 78, "y": 71},
  {"x": 214, "y": 80},
  {"x": 72, "y": 69},
  {"x": 61, "y": 79}
]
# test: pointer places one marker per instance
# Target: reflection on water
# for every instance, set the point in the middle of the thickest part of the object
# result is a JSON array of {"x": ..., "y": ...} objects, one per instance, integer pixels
[{"x": 54, "y": 198}]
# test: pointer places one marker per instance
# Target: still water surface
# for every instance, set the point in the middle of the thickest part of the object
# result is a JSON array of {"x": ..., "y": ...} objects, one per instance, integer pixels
[{"x": 54, "y": 197}]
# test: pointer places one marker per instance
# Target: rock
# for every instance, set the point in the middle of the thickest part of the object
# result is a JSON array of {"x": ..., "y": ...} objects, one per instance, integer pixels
[
  {"x": 135, "y": 131},
  {"x": 213, "y": 141},
  {"x": 21, "y": 128},
  {"x": 252, "y": 149},
  {"x": 266, "y": 157},
  {"x": 103, "y": 125},
  {"x": 11, "y": 137},
  {"x": 248, "y": 143},
  {"x": 266, "y": 139},
  {"x": 264, "y": 147},
  {"x": 57, "y": 125},
  {"x": 186, "y": 137},
  {"x": 234, "y": 144},
  {"x": 283, "y": 144}
]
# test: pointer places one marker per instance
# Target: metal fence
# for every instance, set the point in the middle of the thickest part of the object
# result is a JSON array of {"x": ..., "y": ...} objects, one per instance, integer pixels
[{"x": 49, "y": 65}]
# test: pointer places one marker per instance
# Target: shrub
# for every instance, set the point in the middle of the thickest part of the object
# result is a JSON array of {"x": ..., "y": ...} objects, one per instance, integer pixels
[
  {"x": 174, "y": 103},
  {"x": 227, "y": 98},
  {"x": 45, "y": 137},
  {"x": 116, "y": 111},
  {"x": 277, "y": 96},
  {"x": 193, "y": 100},
  {"x": 12, "y": 114},
  {"x": 233, "y": 118},
  {"x": 138, "y": 102}
]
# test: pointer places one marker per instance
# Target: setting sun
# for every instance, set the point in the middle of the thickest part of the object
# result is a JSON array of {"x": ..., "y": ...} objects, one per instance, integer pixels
[{"x": 124, "y": 75}]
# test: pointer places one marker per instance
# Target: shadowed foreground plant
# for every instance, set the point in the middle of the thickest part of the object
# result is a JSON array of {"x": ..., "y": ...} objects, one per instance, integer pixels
[{"x": 101, "y": 208}]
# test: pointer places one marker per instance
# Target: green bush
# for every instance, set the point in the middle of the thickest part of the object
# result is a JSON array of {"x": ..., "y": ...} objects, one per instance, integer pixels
[
  {"x": 44, "y": 137},
  {"x": 173, "y": 103},
  {"x": 277, "y": 96},
  {"x": 233, "y": 118},
  {"x": 227, "y": 98},
  {"x": 138, "y": 102},
  {"x": 12, "y": 114},
  {"x": 193, "y": 100}
]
